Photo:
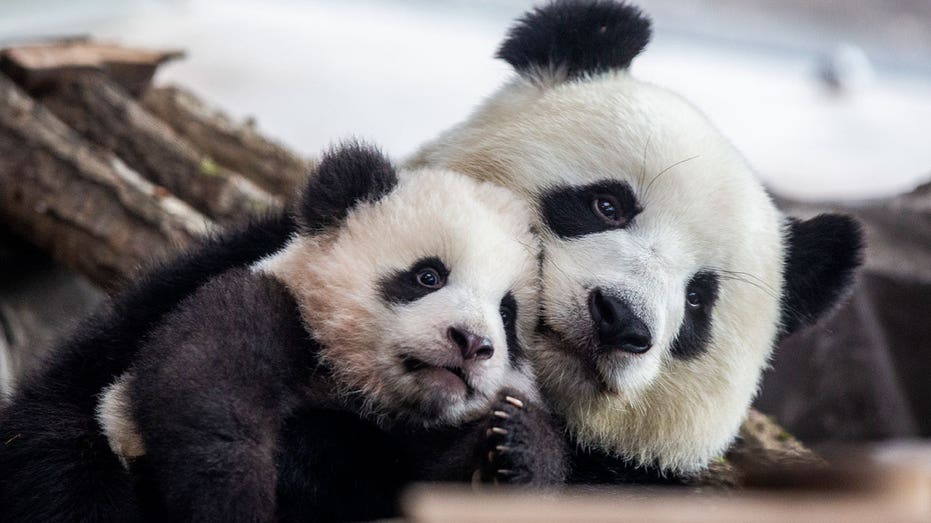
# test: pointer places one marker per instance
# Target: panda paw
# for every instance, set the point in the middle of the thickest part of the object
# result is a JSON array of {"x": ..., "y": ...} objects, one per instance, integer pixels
[{"x": 522, "y": 445}]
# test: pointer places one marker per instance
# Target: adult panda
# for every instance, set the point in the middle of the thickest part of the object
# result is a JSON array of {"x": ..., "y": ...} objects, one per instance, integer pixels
[
  {"x": 668, "y": 274},
  {"x": 400, "y": 298}
]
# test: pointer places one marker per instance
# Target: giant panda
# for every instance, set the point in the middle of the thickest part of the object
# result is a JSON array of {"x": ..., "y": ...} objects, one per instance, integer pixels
[
  {"x": 403, "y": 299},
  {"x": 571, "y": 59},
  {"x": 668, "y": 275}
]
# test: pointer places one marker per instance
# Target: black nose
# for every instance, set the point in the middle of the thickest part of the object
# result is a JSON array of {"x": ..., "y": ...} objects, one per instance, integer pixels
[
  {"x": 471, "y": 345},
  {"x": 616, "y": 326}
]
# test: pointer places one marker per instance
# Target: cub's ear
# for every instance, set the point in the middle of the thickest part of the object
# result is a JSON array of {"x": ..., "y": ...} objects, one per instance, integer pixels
[
  {"x": 822, "y": 255},
  {"x": 568, "y": 39},
  {"x": 348, "y": 174}
]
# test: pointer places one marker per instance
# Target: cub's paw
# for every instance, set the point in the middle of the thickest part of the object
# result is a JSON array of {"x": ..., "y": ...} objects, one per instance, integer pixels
[{"x": 522, "y": 444}]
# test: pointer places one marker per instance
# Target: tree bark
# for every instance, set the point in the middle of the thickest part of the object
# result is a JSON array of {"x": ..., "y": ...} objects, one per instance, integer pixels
[
  {"x": 106, "y": 115},
  {"x": 237, "y": 146},
  {"x": 83, "y": 205},
  {"x": 38, "y": 65}
]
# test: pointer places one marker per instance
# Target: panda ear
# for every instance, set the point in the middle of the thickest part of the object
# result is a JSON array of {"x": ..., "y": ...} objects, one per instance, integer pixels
[
  {"x": 349, "y": 174},
  {"x": 822, "y": 255},
  {"x": 568, "y": 39}
]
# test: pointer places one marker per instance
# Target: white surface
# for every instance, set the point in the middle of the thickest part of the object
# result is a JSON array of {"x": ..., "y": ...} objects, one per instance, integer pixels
[{"x": 399, "y": 72}]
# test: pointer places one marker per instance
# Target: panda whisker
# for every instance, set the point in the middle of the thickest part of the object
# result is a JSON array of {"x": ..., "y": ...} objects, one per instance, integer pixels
[
  {"x": 666, "y": 170},
  {"x": 748, "y": 278},
  {"x": 767, "y": 291},
  {"x": 643, "y": 165},
  {"x": 558, "y": 268},
  {"x": 756, "y": 278}
]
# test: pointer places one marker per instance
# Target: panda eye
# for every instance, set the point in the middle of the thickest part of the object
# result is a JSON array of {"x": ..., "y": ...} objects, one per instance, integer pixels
[
  {"x": 507, "y": 315},
  {"x": 606, "y": 207},
  {"x": 430, "y": 278},
  {"x": 693, "y": 299}
]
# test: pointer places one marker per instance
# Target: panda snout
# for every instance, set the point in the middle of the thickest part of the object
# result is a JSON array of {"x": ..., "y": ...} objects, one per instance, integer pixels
[
  {"x": 471, "y": 346},
  {"x": 616, "y": 325}
]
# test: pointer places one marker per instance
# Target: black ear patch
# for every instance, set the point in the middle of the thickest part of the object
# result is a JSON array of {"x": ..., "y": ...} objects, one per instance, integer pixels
[
  {"x": 822, "y": 256},
  {"x": 578, "y": 37},
  {"x": 348, "y": 174}
]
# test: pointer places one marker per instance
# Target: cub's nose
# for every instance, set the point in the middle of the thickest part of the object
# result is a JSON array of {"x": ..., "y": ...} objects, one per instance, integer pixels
[
  {"x": 472, "y": 346},
  {"x": 616, "y": 325}
]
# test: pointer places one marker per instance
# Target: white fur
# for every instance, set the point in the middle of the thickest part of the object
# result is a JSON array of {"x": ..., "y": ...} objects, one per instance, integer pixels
[
  {"x": 116, "y": 421},
  {"x": 482, "y": 234},
  {"x": 703, "y": 209}
]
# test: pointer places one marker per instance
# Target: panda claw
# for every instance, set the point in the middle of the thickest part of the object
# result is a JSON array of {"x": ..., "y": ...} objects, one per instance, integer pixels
[
  {"x": 499, "y": 430},
  {"x": 504, "y": 472},
  {"x": 514, "y": 401},
  {"x": 502, "y": 448},
  {"x": 501, "y": 414}
]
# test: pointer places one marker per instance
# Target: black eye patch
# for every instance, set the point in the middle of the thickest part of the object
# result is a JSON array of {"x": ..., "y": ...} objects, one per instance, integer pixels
[
  {"x": 405, "y": 286},
  {"x": 573, "y": 211},
  {"x": 509, "y": 317},
  {"x": 701, "y": 293}
]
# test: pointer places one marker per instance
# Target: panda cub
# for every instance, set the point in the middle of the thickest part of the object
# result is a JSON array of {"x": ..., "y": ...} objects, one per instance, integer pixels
[
  {"x": 403, "y": 299},
  {"x": 668, "y": 274}
]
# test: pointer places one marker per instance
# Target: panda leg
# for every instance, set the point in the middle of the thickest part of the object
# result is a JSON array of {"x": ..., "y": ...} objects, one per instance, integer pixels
[
  {"x": 211, "y": 453},
  {"x": 210, "y": 392}
]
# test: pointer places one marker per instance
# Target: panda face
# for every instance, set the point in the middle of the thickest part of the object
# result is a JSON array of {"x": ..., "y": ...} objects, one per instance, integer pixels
[
  {"x": 667, "y": 272},
  {"x": 662, "y": 267},
  {"x": 423, "y": 298}
]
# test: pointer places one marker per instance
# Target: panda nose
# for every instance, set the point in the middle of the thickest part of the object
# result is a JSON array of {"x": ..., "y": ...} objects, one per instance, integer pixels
[
  {"x": 616, "y": 325},
  {"x": 472, "y": 346}
]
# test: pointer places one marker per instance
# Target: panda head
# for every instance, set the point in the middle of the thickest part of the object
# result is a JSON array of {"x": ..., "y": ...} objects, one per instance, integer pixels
[
  {"x": 419, "y": 286},
  {"x": 668, "y": 274}
]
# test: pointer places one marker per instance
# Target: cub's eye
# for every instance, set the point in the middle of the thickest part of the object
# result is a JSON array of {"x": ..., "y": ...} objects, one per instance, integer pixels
[
  {"x": 430, "y": 278},
  {"x": 606, "y": 207},
  {"x": 693, "y": 299}
]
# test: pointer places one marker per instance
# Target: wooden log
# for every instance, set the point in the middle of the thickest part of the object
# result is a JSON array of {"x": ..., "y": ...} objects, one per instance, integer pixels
[
  {"x": 82, "y": 204},
  {"x": 39, "y": 65},
  {"x": 862, "y": 492},
  {"x": 232, "y": 144},
  {"x": 106, "y": 115}
]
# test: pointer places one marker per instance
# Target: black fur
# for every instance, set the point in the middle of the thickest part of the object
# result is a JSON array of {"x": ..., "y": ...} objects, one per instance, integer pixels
[
  {"x": 348, "y": 175},
  {"x": 569, "y": 210},
  {"x": 695, "y": 331},
  {"x": 592, "y": 466},
  {"x": 822, "y": 256},
  {"x": 211, "y": 391},
  {"x": 56, "y": 465},
  {"x": 402, "y": 286},
  {"x": 335, "y": 466},
  {"x": 579, "y": 37},
  {"x": 510, "y": 311}
]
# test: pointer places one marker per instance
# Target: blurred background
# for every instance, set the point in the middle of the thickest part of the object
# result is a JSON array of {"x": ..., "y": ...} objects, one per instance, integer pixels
[{"x": 830, "y": 100}]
